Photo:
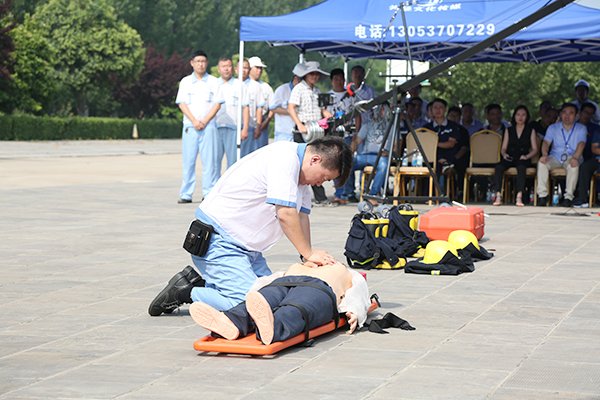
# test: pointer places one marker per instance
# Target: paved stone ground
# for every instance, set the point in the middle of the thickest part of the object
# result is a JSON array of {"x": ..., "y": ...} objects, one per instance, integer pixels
[{"x": 90, "y": 232}]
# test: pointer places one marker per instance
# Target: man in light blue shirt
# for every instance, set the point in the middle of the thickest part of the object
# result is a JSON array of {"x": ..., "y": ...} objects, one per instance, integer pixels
[
  {"x": 567, "y": 139},
  {"x": 199, "y": 98},
  {"x": 227, "y": 117}
]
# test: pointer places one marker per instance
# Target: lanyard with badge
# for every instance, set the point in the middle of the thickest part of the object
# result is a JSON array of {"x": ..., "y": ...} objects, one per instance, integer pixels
[{"x": 564, "y": 156}]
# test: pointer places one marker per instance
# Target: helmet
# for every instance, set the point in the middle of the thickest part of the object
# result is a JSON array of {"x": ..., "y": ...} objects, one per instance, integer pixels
[
  {"x": 461, "y": 239},
  {"x": 436, "y": 250}
]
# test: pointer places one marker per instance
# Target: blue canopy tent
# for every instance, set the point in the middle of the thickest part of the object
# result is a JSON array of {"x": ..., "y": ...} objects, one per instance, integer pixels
[{"x": 437, "y": 30}]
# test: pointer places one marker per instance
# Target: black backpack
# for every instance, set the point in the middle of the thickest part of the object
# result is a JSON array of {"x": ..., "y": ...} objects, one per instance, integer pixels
[{"x": 364, "y": 250}]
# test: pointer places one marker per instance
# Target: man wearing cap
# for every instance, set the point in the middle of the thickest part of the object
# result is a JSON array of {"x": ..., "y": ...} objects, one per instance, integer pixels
[
  {"x": 303, "y": 107},
  {"x": 252, "y": 89},
  {"x": 284, "y": 124},
  {"x": 227, "y": 116},
  {"x": 582, "y": 89},
  {"x": 199, "y": 97},
  {"x": 261, "y": 133},
  {"x": 568, "y": 141}
]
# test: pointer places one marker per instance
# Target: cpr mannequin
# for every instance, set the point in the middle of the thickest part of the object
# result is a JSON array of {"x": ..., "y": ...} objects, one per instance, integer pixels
[{"x": 278, "y": 305}]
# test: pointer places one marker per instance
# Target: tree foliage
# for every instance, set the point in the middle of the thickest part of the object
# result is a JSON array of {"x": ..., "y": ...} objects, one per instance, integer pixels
[
  {"x": 512, "y": 84},
  {"x": 32, "y": 87},
  {"x": 156, "y": 85},
  {"x": 91, "y": 45},
  {"x": 6, "y": 44}
]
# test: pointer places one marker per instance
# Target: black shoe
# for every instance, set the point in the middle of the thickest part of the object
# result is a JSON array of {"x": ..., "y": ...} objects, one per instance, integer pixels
[
  {"x": 194, "y": 277},
  {"x": 184, "y": 201},
  {"x": 567, "y": 202},
  {"x": 542, "y": 201},
  {"x": 177, "y": 292},
  {"x": 352, "y": 199}
]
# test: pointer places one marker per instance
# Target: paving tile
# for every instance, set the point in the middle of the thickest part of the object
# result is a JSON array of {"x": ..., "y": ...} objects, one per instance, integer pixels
[
  {"x": 315, "y": 387},
  {"x": 526, "y": 394},
  {"x": 484, "y": 356},
  {"x": 439, "y": 383},
  {"x": 502, "y": 333},
  {"x": 560, "y": 376},
  {"x": 93, "y": 381}
]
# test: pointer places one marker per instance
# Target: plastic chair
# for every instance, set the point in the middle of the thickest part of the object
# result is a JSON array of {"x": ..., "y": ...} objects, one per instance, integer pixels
[{"x": 485, "y": 149}]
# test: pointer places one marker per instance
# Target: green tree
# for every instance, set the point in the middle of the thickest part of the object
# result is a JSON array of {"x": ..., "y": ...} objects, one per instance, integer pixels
[
  {"x": 7, "y": 24},
  {"x": 91, "y": 45},
  {"x": 33, "y": 86},
  {"x": 512, "y": 84}
]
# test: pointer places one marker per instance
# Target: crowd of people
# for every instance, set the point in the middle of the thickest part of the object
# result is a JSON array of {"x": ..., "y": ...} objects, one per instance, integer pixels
[{"x": 567, "y": 137}]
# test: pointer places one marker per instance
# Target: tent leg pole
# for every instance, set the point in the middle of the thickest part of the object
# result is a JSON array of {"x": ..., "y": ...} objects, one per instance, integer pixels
[{"x": 239, "y": 106}]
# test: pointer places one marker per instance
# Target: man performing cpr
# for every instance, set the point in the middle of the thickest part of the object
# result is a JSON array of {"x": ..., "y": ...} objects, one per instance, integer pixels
[
  {"x": 259, "y": 199},
  {"x": 301, "y": 299}
]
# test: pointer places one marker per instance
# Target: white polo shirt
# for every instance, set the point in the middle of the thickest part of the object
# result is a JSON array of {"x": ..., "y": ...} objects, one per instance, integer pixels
[
  {"x": 200, "y": 95},
  {"x": 227, "y": 115},
  {"x": 255, "y": 99},
  {"x": 244, "y": 198},
  {"x": 281, "y": 98},
  {"x": 266, "y": 92}
]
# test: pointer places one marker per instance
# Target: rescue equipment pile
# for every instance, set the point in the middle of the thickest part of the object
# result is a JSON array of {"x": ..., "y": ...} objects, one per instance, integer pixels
[{"x": 385, "y": 243}]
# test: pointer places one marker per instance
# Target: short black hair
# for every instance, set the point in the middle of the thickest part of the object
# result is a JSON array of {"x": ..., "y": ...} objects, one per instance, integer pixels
[
  {"x": 492, "y": 106},
  {"x": 225, "y": 59},
  {"x": 454, "y": 109},
  {"x": 587, "y": 104},
  {"x": 336, "y": 71},
  {"x": 545, "y": 105},
  {"x": 198, "y": 53},
  {"x": 336, "y": 155},
  {"x": 442, "y": 101},
  {"x": 467, "y": 105},
  {"x": 567, "y": 105}
]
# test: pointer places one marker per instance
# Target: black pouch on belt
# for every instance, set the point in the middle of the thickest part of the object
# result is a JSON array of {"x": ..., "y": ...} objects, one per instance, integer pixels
[{"x": 198, "y": 238}]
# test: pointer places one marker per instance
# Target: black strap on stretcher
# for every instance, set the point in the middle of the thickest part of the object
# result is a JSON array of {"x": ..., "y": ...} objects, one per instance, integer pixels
[{"x": 336, "y": 315}]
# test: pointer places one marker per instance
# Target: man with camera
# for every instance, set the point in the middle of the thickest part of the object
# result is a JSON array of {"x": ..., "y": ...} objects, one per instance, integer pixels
[{"x": 303, "y": 107}]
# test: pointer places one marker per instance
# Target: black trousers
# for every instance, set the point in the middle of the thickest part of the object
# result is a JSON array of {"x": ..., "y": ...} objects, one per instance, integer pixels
[
  {"x": 288, "y": 320},
  {"x": 586, "y": 170},
  {"x": 503, "y": 165}
]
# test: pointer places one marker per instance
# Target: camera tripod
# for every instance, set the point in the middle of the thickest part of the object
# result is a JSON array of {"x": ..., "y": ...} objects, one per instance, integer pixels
[{"x": 398, "y": 109}]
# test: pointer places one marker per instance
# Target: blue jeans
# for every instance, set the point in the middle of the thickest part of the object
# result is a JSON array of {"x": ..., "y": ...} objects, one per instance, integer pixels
[
  {"x": 227, "y": 144},
  {"x": 204, "y": 142},
  {"x": 228, "y": 268},
  {"x": 359, "y": 163}
]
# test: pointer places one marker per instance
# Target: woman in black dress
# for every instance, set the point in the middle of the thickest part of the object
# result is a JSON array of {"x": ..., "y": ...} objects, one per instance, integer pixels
[{"x": 518, "y": 148}]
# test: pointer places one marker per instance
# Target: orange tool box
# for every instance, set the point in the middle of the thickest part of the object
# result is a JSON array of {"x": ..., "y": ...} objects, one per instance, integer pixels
[{"x": 440, "y": 222}]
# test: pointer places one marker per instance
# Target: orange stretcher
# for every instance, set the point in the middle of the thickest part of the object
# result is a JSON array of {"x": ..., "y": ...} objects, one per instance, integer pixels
[{"x": 251, "y": 345}]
